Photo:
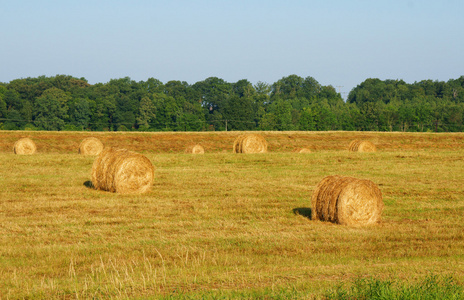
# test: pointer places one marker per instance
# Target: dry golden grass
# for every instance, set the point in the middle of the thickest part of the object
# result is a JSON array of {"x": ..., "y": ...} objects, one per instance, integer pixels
[
  {"x": 243, "y": 225},
  {"x": 174, "y": 142}
]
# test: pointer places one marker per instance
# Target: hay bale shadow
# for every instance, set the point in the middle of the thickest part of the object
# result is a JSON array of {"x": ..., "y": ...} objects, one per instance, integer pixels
[
  {"x": 89, "y": 184},
  {"x": 303, "y": 211}
]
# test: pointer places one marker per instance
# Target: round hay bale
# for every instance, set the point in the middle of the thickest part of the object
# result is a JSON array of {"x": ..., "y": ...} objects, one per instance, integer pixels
[
  {"x": 24, "y": 146},
  {"x": 360, "y": 203},
  {"x": 90, "y": 146},
  {"x": 195, "y": 149},
  {"x": 362, "y": 146},
  {"x": 320, "y": 199},
  {"x": 237, "y": 142},
  {"x": 347, "y": 201},
  {"x": 302, "y": 150},
  {"x": 366, "y": 146},
  {"x": 122, "y": 171},
  {"x": 352, "y": 145},
  {"x": 250, "y": 143}
]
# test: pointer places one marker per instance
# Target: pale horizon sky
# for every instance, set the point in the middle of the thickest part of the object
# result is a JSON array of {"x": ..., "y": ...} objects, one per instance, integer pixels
[{"x": 339, "y": 43}]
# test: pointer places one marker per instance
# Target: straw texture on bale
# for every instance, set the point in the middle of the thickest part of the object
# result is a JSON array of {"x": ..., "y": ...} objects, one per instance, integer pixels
[
  {"x": 347, "y": 201},
  {"x": 195, "y": 149},
  {"x": 362, "y": 146},
  {"x": 122, "y": 171},
  {"x": 90, "y": 146},
  {"x": 302, "y": 150},
  {"x": 250, "y": 143},
  {"x": 24, "y": 146}
]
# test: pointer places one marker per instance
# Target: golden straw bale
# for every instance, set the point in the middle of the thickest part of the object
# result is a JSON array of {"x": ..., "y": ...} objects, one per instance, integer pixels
[
  {"x": 352, "y": 145},
  {"x": 347, "y": 200},
  {"x": 319, "y": 197},
  {"x": 195, "y": 149},
  {"x": 254, "y": 143},
  {"x": 122, "y": 171},
  {"x": 360, "y": 203},
  {"x": 362, "y": 146},
  {"x": 24, "y": 146},
  {"x": 90, "y": 146},
  {"x": 250, "y": 143},
  {"x": 237, "y": 142},
  {"x": 366, "y": 146},
  {"x": 336, "y": 189},
  {"x": 302, "y": 150}
]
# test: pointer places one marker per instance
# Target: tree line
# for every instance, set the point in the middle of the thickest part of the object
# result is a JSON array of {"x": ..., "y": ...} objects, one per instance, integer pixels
[{"x": 64, "y": 102}]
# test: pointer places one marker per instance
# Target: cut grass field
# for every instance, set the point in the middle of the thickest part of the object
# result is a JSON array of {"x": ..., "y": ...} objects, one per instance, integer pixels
[{"x": 224, "y": 225}]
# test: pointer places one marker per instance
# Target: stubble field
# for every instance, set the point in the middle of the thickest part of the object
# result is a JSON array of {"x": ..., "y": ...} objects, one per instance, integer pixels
[{"x": 223, "y": 224}]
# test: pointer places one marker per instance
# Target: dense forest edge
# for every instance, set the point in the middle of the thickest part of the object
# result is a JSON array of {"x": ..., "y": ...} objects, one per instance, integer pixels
[{"x": 292, "y": 103}]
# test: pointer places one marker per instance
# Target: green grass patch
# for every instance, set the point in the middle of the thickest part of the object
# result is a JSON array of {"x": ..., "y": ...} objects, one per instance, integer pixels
[{"x": 432, "y": 287}]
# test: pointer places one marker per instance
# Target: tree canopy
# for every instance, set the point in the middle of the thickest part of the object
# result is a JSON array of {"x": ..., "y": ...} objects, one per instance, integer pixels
[{"x": 64, "y": 102}]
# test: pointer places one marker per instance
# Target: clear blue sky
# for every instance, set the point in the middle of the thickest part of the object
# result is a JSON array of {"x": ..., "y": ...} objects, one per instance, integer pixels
[{"x": 339, "y": 43}]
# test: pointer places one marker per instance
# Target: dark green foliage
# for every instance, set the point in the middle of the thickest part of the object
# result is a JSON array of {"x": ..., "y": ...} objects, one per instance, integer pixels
[
  {"x": 51, "y": 109},
  {"x": 13, "y": 120},
  {"x": 80, "y": 113},
  {"x": 146, "y": 113},
  {"x": 294, "y": 86},
  {"x": 3, "y": 109},
  {"x": 12, "y": 99},
  {"x": 393, "y": 105},
  {"x": 240, "y": 111},
  {"x": 64, "y": 102},
  {"x": 283, "y": 115},
  {"x": 213, "y": 93}
]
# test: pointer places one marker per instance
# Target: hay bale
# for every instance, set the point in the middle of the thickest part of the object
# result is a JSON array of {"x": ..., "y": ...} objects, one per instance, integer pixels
[
  {"x": 122, "y": 171},
  {"x": 366, "y": 146},
  {"x": 237, "y": 142},
  {"x": 195, "y": 149},
  {"x": 302, "y": 150},
  {"x": 253, "y": 143},
  {"x": 347, "y": 201},
  {"x": 24, "y": 146},
  {"x": 319, "y": 204},
  {"x": 353, "y": 145},
  {"x": 250, "y": 143},
  {"x": 362, "y": 146},
  {"x": 90, "y": 146}
]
